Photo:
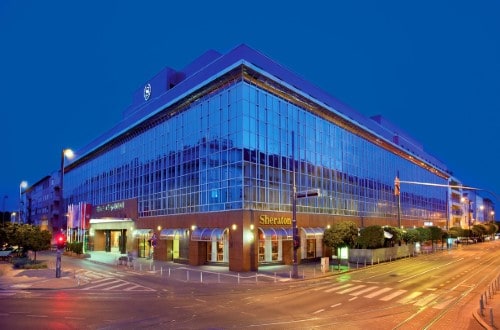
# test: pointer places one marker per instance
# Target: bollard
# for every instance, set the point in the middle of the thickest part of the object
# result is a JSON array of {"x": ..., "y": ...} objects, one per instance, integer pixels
[
  {"x": 238, "y": 278},
  {"x": 161, "y": 271},
  {"x": 256, "y": 278},
  {"x": 491, "y": 316},
  {"x": 187, "y": 275},
  {"x": 201, "y": 277},
  {"x": 218, "y": 277},
  {"x": 169, "y": 272},
  {"x": 481, "y": 305},
  {"x": 275, "y": 279}
]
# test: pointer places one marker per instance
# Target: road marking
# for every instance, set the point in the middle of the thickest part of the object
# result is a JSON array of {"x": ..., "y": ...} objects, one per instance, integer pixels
[
  {"x": 117, "y": 286},
  {"x": 444, "y": 304},
  {"x": 393, "y": 295},
  {"x": 339, "y": 287},
  {"x": 319, "y": 311},
  {"x": 358, "y": 293},
  {"x": 424, "y": 301},
  {"x": 101, "y": 285},
  {"x": 322, "y": 287},
  {"x": 410, "y": 297},
  {"x": 336, "y": 305},
  {"x": 352, "y": 289},
  {"x": 377, "y": 293}
]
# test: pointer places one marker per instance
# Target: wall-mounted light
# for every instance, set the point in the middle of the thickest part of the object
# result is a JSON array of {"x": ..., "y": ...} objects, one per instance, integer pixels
[
  {"x": 233, "y": 227},
  {"x": 159, "y": 228},
  {"x": 193, "y": 227},
  {"x": 252, "y": 227}
]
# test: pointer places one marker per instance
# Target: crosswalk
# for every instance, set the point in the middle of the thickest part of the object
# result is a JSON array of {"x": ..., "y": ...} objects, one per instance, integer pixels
[
  {"x": 107, "y": 281},
  {"x": 383, "y": 293}
]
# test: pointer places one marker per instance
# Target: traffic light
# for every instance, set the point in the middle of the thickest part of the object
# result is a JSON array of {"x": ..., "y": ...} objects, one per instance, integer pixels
[{"x": 60, "y": 241}]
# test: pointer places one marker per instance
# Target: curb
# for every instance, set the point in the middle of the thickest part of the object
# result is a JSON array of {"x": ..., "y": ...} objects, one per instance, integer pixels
[{"x": 481, "y": 320}]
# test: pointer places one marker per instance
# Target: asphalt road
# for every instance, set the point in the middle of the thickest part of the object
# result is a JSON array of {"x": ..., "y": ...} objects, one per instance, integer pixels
[{"x": 432, "y": 291}]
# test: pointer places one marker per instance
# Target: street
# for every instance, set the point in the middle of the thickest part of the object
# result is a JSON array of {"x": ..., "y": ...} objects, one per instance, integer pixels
[{"x": 431, "y": 291}]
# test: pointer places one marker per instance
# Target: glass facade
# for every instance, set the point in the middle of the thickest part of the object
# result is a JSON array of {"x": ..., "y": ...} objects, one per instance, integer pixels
[{"x": 232, "y": 149}]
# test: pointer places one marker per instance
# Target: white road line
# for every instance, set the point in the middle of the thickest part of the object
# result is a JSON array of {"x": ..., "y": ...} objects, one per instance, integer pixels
[
  {"x": 359, "y": 293},
  {"x": 339, "y": 287},
  {"x": 424, "y": 301},
  {"x": 377, "y": 293},
  {"x": 410, "y": 297},
  {"x": 319, "y": 311},
  {"x": 101, "y": 285},
  {"x": 352, "y": 289},
  {"x": 117, "y": 286},
  {"x": 393, "y": 295},
  {"x": 321, "y": 288}
]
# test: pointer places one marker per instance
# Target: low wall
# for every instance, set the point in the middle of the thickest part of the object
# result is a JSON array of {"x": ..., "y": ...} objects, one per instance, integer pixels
[{"x": 381, "y": 255}]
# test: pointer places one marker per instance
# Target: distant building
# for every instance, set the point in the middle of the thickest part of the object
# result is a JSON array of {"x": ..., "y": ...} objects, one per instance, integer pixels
[
  {"x": 42, "y": 200},
  {"x": 201, "y": 168}
]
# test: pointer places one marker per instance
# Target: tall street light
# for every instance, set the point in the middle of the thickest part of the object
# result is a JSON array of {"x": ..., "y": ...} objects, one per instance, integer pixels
[
  {"x": 65, "y": 154},
  {"x": 22, "y": 185}
]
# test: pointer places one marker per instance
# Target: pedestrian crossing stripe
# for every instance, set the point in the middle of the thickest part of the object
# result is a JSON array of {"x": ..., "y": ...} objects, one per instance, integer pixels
[
  {"x": 352, "y": 289},
  {"x": 410, "y": 298},
  {"x": 393, "y": 295},
  {"x": 358, "y": 293},
  {"x": 339, "y": 287},
  {"x": 378, "y": 293}
]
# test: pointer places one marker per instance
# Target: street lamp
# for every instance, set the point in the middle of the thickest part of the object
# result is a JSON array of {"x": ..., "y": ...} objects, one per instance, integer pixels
[
  {"x": 22, "y": 185},
  {"x": 65, "y": 154}
]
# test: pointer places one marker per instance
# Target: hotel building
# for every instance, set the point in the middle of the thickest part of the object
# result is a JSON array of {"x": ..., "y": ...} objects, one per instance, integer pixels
[{"x": 204, "y": 161}]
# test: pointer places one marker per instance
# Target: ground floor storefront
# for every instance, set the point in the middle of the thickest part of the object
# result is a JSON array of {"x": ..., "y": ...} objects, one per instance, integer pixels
[{"x": 241, "y": 240}]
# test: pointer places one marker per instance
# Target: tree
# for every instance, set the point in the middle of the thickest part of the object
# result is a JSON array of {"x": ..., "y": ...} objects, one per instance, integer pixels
[
  {"x": 26, "y": 237},
  {"x": 424, "y": 234},
  {"x": 371, "y": 237},
  {"x": 411, "y": 236},
  {"x": 456, "y": 232},
  {"x": 341, "y": 234},
  {"x": 36, "y": 239}
]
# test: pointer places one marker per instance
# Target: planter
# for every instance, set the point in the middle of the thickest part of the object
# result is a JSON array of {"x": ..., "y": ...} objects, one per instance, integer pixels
[{"x": 380, "y": 255}]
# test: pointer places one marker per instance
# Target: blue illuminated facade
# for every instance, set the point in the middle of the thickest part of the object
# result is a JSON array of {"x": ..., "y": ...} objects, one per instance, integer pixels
[{"x": 208, "y": 151}]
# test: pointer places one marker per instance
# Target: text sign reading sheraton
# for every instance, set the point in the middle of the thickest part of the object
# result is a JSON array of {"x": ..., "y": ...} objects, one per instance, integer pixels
[{"x": 267, "y": 220}]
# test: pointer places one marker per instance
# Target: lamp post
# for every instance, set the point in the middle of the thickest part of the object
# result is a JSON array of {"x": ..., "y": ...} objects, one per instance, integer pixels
[
  {"x": 22, "y": 185},
  {"x": 69, "y": 154}
]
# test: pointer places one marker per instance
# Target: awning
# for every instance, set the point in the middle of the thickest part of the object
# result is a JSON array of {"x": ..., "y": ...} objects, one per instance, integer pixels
[
  {"x": 314, "y": 232},
  {"x": 286, "y": 234},
  {"x": 140, "y": 232},
  {"x": 208, "y": 234},
  {"x": 172, "y": 233}
]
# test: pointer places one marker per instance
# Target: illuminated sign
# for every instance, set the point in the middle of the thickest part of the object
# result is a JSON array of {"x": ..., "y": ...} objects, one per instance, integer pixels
[
  {"x": 111, "y": 207},
  {"x": 267, "y": 220}
]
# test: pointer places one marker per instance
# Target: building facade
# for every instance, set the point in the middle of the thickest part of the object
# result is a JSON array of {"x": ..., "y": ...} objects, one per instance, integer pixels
[
  {"x": 43, "y": 200},
  {"x": 202, "y": 167}
]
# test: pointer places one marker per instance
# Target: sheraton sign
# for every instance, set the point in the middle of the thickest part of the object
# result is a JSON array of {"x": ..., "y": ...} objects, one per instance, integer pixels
[{"x": 268, "y": 220}]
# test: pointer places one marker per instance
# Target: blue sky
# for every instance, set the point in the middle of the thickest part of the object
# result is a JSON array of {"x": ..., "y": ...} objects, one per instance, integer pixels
[{"x": 68, "y": 69}]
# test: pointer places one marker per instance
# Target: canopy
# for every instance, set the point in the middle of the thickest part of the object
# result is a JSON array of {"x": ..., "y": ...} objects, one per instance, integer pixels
[
  {"x": 172, "y": 233},
  {"x": 208, "y": 234},
  {"x": 286, "y": 234},
  {"x": 314, "y": 232},
  {"x": 140, "y": 232}
]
